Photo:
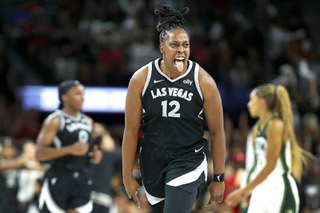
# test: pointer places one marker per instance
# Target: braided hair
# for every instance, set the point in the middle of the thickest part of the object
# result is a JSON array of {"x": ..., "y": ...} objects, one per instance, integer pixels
[{"x": 169, "y": 19}]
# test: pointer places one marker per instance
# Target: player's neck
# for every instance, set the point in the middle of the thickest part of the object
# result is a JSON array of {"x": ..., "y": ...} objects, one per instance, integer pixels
[{"x": 264, "y": 118}]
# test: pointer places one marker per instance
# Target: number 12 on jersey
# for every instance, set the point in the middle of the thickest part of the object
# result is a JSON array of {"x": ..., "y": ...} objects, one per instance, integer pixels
[{"x": 174, "y": 112}]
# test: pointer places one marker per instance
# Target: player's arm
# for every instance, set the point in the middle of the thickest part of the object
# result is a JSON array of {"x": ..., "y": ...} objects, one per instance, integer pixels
[
  {"x": 274, "y": 134},
  {"x": 214, "y": 117},
  {"x": 45, "y": 138},
  {"x": 213, "y": 111},
  {"x": 133, "y": 110},
  {"x": 13, "y": 163},
  {"x": 95, "y": 153}
]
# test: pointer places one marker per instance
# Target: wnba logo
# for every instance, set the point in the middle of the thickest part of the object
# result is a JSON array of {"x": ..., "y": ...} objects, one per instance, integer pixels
[{"x": 187, "y": 81}]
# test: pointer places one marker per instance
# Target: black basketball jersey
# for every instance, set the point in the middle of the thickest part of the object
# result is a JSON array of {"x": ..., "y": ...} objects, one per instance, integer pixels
[
  {"x": 70, "y": 131},
  {"x": 172, "y": 109}
]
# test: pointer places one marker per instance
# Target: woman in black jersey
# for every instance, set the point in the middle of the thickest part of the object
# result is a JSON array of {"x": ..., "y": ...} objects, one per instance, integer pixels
[
  {"x": 65, "y": 141},
  {"x": 168, "y": 99}
]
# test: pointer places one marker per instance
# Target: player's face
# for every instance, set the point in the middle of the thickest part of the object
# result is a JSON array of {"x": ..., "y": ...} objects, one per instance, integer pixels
[
  {"x": 253, "y": 105},
  {"x": 75, "y": 97},
  {"x": 176, "y": 50}
]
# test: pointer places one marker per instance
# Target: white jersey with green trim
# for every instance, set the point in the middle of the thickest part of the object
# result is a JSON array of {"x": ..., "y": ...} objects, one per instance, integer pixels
[{"x": 283, "y": 165}]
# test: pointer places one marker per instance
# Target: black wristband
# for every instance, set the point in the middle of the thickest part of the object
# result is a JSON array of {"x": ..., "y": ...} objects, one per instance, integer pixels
[{"x": 218, "y": 177}]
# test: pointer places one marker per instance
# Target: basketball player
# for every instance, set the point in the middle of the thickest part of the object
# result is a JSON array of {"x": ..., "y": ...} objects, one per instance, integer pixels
[
  {"x": 277, "y": 154},
  {"x": 169, "y": 98},
  {"x": 65, "y": 140}
]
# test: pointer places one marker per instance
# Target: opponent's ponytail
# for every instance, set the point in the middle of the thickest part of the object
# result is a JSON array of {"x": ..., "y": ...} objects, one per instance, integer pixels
[{"x": 283, "y": 107}]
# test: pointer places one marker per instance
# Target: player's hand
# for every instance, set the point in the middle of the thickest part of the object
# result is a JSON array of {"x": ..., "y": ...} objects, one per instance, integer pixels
[
  {"x": 235, "y": 197},
  {"x": 132, "y": 187},
  {"x": 21, "y": 160},
  {"x": 79, "y": 148},
  {"x": 216, "y": 190},
  {"x": 96, "y": 155}
]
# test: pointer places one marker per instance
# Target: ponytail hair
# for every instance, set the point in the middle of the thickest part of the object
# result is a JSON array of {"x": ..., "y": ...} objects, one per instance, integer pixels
[
  {"x": 283, "y": 108},
  {"x": 278, "y": 101}
]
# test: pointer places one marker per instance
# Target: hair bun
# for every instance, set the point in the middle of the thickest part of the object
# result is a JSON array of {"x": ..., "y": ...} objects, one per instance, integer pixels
[{"x": 168, "y": 16}]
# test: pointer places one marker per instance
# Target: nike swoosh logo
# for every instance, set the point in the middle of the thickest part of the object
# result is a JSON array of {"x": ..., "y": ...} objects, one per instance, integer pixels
[
  {"x": 157, "y": 81},
  {"x": 197, "y": 150},
  {"x": 218, "y": 177}
]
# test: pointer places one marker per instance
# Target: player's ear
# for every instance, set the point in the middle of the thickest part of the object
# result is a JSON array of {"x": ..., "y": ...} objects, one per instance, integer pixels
[
  {"x": 161, "y": 47},
  {"x": 64, "y": 98}
]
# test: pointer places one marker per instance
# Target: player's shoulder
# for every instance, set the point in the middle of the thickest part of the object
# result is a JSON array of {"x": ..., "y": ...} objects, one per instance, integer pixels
[
  {"x": 205, "y": 79},
  {"x": 204, "y": 75},
  {"x": 140, "y": 73},
  {"x": 139, "y": 77},
  {"x": 89, "y": 118},
  {"x": 53, "y": 119},
  {"x": 55, "y": 115},
  {"x": 275, "y": 125},
  {"x": 276, "y": 122}
]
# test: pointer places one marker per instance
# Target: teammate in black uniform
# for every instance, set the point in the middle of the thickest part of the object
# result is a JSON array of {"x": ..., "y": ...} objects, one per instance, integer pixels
[
  {"x": 65, "y": 140},
  {"x": 166, "y": 99}
]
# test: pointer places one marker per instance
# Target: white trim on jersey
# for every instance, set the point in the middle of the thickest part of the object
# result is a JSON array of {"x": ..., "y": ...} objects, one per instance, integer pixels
[
  {"x": 62, "y": 122},
  {"x": 57, "y": 142},
  {"x": 58, "y": 113},
  {"x": 66, "y": 118},
  {"x": 46, "y": 198},
  {"x": 169, "y": 79},
  {"x": 152, "y": 199},
  {"x": 78, "y": 118},
  {"x": 148, "y": 78},
  {"x": 196, "y": 79},
  {"x": 191, "y": 176},
  {"x": 86, "y": 208},
  {"x": 199, "y": 115}
]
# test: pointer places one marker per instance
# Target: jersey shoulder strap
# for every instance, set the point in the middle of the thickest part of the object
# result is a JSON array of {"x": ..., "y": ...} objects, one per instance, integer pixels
[{"x": 262, "y": 131}]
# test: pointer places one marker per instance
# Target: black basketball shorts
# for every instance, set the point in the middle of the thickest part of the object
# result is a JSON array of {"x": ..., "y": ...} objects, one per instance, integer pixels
[
  {"x": 63, "y": 189},
  {"x": 185, "y": 168}
]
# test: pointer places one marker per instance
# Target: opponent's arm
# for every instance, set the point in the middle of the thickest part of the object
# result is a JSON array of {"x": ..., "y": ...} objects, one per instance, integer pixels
[{"x": 274, "y": 134}]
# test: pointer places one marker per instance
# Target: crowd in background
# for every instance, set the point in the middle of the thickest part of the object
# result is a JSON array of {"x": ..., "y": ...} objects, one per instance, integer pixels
[{"x": 102, "y": 42}]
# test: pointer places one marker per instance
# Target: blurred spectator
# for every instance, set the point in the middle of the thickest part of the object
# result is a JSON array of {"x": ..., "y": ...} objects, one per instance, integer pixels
[
  {"x": 28, "y": 179},
  {"x": 25, "y": 125},
  {"x": 9, "y": 164},
  {"x": 101, "y": 174},
  {"x": 235, "y": 175}
]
